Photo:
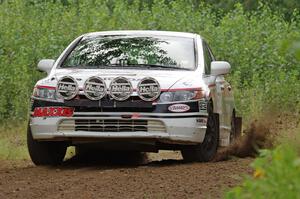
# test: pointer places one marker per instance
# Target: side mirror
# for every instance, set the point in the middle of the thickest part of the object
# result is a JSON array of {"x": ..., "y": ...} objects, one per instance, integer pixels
[
  {"x": 220, "y": 68},
  {"x": 45, "y": 65}
]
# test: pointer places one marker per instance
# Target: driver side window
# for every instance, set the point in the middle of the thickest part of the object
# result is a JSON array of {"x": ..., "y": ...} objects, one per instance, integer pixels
[{"x": 208, "y": 58}]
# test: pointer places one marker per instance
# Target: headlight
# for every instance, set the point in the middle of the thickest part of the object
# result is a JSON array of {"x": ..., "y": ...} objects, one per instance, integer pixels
[
  {"x": 183, "y": 95},
  {"x": 44, "y": 92}
]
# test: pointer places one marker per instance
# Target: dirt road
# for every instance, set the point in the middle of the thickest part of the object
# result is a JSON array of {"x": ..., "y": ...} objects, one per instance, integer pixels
[
  {"x": 155, "y": 179},
  {"x": 162, "y": 175}
]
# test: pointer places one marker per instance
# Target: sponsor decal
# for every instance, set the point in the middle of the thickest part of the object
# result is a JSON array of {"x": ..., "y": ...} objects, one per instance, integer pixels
[
  {"x": 148, "y": 89},
  {"x": 53, "y": 112},
  {"x": 94, "y": 88},
  {"x": 120, "y": 89},
  {"x": 67, "y": 88},
  {"x": 201, "y": 120},
  {"x": 111, "y": 78},
  {"x": 135, "y": 115},
  {"x": 202, "y": 105},
  {"x": 179, "y": 108}
]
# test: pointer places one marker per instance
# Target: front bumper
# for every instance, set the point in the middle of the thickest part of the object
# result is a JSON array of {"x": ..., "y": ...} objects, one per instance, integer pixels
[{"x": 175, "y": 128}]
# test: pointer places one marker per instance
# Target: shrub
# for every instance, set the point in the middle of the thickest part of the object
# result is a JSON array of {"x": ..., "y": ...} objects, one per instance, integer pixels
[
  {"x": 263, "y": 76},
  {"x": 277, "y": 175}
]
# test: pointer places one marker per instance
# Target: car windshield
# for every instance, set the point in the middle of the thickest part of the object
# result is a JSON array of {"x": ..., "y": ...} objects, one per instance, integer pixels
[{"x": 120, "y": 51}]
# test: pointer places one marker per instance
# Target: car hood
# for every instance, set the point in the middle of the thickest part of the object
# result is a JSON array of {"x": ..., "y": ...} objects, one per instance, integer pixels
[{"x": 166, "y": 78}]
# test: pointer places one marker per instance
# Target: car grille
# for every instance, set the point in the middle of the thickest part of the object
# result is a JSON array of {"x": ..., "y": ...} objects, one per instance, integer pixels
[
  {"x": 111, "y": 125},
  {"x": 133, "y": 104}
]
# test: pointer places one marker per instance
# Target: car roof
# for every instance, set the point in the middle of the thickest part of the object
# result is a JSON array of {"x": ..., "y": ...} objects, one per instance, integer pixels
[{"x": 142, "y": 32}]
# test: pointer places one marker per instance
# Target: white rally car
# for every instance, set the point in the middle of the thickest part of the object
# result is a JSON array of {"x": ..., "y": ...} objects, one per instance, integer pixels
[{"x": 135, "y": 91}]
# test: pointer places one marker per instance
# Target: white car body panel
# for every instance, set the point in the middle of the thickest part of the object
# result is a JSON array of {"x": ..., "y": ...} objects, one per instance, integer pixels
[{"x": 183, "y": 130}]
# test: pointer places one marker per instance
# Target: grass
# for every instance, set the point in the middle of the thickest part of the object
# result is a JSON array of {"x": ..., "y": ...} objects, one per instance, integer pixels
[{"x": 13, "y": 142}]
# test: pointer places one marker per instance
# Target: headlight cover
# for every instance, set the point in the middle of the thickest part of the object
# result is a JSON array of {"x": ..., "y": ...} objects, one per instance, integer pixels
[
  {"x": 180, "y": 96},
  {"x": 44, "y": 92}
]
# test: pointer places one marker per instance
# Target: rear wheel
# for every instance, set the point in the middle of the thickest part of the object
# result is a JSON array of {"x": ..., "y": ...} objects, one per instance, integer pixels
[
  {"x": 205, "y": 151},
  {"x": 236, "y": 125},
  {"x": 233, "y": 130},
  {"x": 45, "y": 153}
]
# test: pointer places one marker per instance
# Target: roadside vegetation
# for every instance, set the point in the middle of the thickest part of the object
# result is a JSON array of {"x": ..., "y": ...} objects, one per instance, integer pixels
[
  {"x": 265, "y": 73},
  {"x": 276, "y": 173},
  {"x": 13, "y": 142},
  {"x": 260, "y": 40}
]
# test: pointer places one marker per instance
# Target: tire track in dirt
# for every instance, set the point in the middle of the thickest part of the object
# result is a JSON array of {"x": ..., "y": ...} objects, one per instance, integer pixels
[{"x": 156, "y": 179}]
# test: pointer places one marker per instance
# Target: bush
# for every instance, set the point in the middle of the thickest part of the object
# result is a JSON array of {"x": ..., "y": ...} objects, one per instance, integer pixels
[
  {"x": 263, "y": 76},
  {"x": 277, "y": 175}
]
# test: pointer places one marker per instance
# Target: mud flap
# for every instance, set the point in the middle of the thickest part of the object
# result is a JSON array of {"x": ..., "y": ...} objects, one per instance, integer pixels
[{"x": 238, "y": 126}]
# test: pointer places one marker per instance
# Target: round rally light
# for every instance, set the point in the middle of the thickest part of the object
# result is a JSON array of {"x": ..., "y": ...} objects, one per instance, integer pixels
[
  {"x": 148, "y": 89},
  {"x": 94, "y": 88},
  {"x": 67, "y": 88},
  {"x": 120, "y": 88}
]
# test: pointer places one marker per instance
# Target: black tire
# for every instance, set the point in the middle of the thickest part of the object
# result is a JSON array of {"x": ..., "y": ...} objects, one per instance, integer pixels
[
  {"x": 205, "y": 151},
  {"x": 236, "y": 127},
  {"x": 233, "y": 134},
  {"x": 45, "y": 153},
  {"x": 85, "y": 152}
]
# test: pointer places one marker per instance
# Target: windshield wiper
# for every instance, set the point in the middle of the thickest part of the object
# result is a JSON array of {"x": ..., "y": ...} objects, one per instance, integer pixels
[
  {"x": 148, "y": 66},
  {"x": 91, "y": 66},
  {"x": 110, "y": 66},
  {"x": 158, "y": 66}
]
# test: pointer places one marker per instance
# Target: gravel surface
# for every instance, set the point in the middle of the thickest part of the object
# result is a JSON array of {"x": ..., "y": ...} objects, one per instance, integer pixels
[{"x": 163, "y": 175}]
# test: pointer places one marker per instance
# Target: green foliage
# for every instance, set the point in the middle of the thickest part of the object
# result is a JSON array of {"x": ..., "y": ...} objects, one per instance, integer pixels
[
  {"x": 264, "y": 75},
  {"x": 13, "y": 142},
  {"x": 277, "y": 175},
  {"x": 285, "y": 7}
]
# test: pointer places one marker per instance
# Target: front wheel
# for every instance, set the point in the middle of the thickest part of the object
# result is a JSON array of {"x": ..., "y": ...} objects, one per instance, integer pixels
[
  {"x": 45, "y": 153},
  {"x": 205, "y": 151}
]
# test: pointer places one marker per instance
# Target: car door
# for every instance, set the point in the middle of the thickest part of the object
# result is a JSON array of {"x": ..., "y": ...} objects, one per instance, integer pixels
[
  {"x": 217, "y": 95},
  {"x": 221, "y": 96},
  {"x": 225, "y": 90}
]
